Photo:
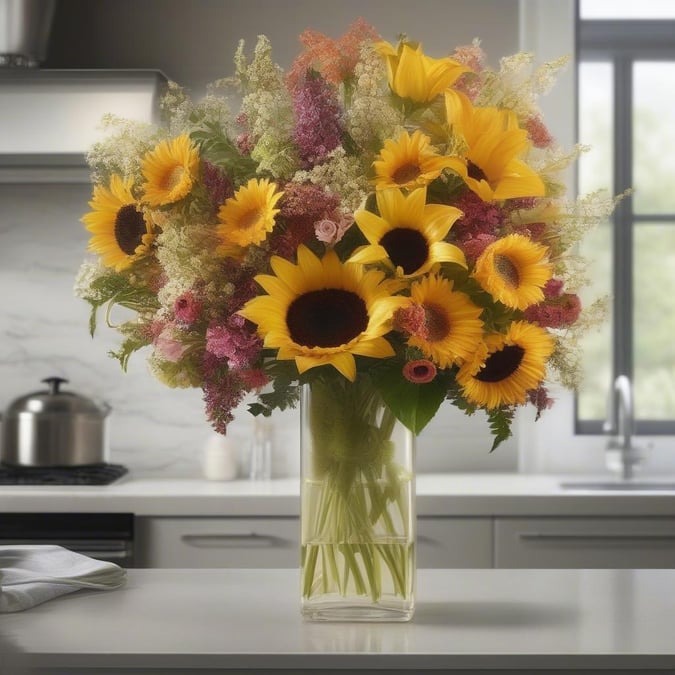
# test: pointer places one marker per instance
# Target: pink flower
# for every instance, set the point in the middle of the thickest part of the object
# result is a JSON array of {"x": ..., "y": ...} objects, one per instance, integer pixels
[
  {"x": 538, "y": 132},
  {"x": 478, "y": 217},
  {"x": 420, "y": 371},
  {"x": 474, "y": 246},
  {"x": 326, "y": 230},
  {"x": 245, "y": 143},
  {"x": 553, "y": 288},
  {"x": 318, "y": 120},
  {"x": 217, "y": 183},
  {"x": 235, "y": 341},
  {"x": 540, "y": 399},
  {"x": 187, "y": 308},
  {"x": 330, "y": 230},
  {"x": 223, "y": 392},
  {"x": 556, "y": 312},
  {"x": 253, "y": 378},
  {"x": 168, "y": 346},
  {"x": 411, "y": 320},
  {"x": 471, "y": 56}
]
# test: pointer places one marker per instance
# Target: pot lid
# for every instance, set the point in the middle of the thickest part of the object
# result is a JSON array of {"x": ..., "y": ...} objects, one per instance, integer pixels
[{"x": 56, "y": 401}]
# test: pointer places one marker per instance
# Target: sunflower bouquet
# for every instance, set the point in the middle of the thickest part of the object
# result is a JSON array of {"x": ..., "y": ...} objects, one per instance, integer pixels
[{"x": 381, "y": 227}]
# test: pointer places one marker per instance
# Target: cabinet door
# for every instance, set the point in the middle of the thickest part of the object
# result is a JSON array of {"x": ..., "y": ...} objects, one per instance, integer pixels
[
  {"x": 454, "y": 542},
  {"x": 218, "y": 542},
  {"x": 585, "y": 542}
]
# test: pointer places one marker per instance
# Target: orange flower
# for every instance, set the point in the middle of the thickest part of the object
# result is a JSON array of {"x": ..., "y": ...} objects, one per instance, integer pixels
[{"x": 334, "y": 59}]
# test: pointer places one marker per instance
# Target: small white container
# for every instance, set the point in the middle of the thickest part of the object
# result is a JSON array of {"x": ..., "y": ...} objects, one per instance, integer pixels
[{"x": 220, "y": 458}]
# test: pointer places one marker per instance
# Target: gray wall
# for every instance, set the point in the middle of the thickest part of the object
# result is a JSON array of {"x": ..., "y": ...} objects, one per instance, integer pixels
[
  {"x": 43, "y": 327},
  {"x": 193, "y": 41}
]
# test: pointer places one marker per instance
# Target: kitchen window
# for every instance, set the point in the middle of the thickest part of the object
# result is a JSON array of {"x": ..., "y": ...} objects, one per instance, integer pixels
[{"x": 626, "y": 93}]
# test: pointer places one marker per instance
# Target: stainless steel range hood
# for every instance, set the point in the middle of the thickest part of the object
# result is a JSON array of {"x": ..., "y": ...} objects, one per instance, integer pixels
[{"x": 49, "y": 118}]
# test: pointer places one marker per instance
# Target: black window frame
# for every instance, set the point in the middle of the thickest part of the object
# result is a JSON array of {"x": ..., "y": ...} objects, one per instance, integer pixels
[{"x": 623, "y": 42}]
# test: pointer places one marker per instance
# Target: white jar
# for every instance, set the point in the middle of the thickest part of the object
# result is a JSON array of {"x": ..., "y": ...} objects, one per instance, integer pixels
[{"x": 220, "y": 458}]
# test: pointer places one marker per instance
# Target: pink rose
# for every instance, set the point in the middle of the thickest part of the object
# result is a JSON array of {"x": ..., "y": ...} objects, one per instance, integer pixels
[
  {"x": 326, "y": 231},
  {"x": 168, "y": 346}
]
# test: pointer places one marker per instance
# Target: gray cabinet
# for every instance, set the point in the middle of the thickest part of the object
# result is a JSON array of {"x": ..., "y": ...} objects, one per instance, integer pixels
[
  {"x": 585, "y": 542},
  {"x": 217, "y": 542},
  {"x": 275, "y": 542},
  {"x": 454, "y": 542}
]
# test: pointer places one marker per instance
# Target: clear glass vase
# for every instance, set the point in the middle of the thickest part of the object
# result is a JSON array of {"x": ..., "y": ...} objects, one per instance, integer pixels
[{"x": 358, "y": 505}]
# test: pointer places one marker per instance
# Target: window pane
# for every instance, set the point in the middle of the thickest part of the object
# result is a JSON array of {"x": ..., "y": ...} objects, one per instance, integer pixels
[
  {"x": 654, "y": 246},
  {"x": 596, "y": 344},
  {"x": 627, "y": 9},
  {"x": 654, "y": 136},
  {"x": 596, "y": 100}
]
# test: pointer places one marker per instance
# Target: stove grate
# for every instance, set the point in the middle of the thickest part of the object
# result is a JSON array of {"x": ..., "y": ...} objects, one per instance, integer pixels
[{"x": 90, "y": 474}]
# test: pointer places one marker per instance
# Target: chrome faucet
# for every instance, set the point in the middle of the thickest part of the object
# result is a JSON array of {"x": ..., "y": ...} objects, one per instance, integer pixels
[{"x": 623, "y": 456}]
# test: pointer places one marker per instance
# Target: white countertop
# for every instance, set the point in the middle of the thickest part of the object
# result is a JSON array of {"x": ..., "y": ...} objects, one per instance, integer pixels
[
  {"x": 180, "y": 621},
  {"x": 468, "y": 494}
]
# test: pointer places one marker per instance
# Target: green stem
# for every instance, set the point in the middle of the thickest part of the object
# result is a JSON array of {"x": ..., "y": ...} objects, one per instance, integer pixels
[{"x": 353, "y": 482}]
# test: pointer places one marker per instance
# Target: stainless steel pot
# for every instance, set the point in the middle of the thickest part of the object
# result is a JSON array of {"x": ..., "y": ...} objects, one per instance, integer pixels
[{"x": 54, "y": 428}]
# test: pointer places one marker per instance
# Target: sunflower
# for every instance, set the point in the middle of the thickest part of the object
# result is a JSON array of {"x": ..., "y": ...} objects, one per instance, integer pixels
[
  {"x": 506, "y": 367},
  {"x": 247, "y": 217},
  {"x": 121, "y": 232},
  {"x": 513, "y": 271},
  {"x": 452, "y": 327},
  {"x": 169, "y": 170},
  {"x": 409, "y": 162},
  {"x": 416, "y": 76},
  {"x": 493, "y": 144},
  {"x": 321, "y": 312},
  {"x": 408, "y": 233}
]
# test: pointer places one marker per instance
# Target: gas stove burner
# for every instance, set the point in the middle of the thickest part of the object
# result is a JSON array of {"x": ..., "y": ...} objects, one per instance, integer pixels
[{"x": 91, "y": 474}]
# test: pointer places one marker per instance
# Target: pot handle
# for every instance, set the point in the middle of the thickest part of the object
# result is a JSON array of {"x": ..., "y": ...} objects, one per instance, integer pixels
[{"x": 54, "y": 383}]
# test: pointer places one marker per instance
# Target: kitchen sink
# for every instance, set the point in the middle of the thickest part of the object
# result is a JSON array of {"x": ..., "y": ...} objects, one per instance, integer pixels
[{"x": 618, "y": 486}]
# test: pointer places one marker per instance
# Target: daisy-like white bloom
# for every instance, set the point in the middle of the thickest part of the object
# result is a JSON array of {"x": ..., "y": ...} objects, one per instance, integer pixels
[
  {"x": 323, "y": 312},
  {"x": 408, "y": 234},
  {"x": 170, "y": 170},
  {"x": 494, "y": 144},
  {"x": 249, "y": 216},
  {"x": 414, "y": 75},
  {"x": 452, "y": 326},
  {"x": 410, "y": 162},
  {"x": 506, "y": 367},
  {"x": 514, "y": 270},
  {"x": 121, "y": 231}
]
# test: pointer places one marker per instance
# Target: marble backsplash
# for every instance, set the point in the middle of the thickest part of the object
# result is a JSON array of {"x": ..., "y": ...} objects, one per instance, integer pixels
[{"x": 44, "y": 332}]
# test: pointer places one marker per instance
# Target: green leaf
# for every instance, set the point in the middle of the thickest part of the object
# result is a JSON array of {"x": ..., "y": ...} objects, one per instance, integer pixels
[
  {"x": 413, "y": 404},
  {"x": 127, "y": 348},
  {"x": 500, "y": 420}
]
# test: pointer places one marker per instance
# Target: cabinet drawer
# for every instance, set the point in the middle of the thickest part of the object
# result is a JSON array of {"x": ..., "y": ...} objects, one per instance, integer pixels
[
  {"x": 218, "y": 542},
  {"x": 585, "y": 542},
  {"x": 454, "y": 542}
]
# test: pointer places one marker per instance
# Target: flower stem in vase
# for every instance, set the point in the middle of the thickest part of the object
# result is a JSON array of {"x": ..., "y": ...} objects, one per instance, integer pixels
[{"x": 358, "y": 551}]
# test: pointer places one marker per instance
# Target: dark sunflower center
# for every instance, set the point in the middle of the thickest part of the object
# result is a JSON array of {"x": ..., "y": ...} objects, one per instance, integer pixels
[
  {"x": 405, "y": 173},
  {"x": 129, "y": 228},
  {"x": 501, "y": 364},
  {"x": 406, "y": 248},
  {"x": 475, "y": 171},
  {"x": 507, "y": 270},
  {"x": 436, "y": 322},
  {"x": 329, "y": 317}
]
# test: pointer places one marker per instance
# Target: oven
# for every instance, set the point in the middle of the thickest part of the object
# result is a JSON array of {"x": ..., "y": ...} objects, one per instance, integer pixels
[{"x": 104, "y": 536}]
